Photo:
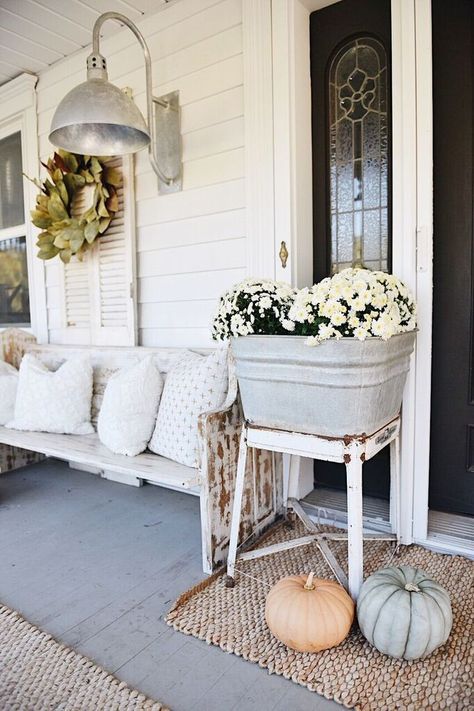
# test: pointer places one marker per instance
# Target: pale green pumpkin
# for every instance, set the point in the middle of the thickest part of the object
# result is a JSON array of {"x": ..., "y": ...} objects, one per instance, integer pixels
[{"x": 404, "y": 613}]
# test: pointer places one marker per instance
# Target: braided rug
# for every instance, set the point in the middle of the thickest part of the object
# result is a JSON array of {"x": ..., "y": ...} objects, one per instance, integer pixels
[
  {"x": 38, "y": 674},
  {"x": 355, "y": 674}
]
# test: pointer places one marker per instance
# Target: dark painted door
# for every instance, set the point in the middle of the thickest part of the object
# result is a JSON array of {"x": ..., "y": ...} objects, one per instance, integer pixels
[
  {"x": 452, "y": 416},
  {"x": 351, "y": 99}
]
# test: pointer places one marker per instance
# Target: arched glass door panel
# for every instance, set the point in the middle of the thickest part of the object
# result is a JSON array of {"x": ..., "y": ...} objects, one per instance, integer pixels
[{"x": 359, "y": 156}]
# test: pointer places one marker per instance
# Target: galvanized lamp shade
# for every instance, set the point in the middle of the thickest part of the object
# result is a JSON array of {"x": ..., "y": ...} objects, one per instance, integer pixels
[{"x": 98, "y": 118}]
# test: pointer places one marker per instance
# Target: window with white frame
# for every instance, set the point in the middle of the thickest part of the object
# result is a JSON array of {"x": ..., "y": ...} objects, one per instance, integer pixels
[{"x": 14, "y": 290}]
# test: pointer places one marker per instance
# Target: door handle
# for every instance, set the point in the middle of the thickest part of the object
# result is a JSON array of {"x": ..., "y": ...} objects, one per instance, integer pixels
[{"x": 283, "y": 254}]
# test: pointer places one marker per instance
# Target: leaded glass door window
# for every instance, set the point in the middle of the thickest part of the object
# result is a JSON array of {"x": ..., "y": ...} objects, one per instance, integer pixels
[{"x": 358, "y": 156}]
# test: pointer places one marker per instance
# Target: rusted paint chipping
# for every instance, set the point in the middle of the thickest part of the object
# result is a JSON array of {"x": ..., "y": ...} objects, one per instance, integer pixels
[
  {"x": 13, "y": 344},
  {"x": 220, "y": 434}
]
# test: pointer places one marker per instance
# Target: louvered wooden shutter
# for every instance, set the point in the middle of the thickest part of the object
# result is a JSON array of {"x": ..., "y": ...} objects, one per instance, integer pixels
[{"x": 99, "y": 304}]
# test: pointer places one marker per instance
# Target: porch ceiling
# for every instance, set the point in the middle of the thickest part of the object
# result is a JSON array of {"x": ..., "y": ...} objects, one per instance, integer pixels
[{"x": 37, "y": 33}]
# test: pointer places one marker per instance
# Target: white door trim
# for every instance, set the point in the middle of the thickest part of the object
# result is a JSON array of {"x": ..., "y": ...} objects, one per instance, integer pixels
[
  {"x": 258, "y": 121},
  {"x": 424, "y": 267}
]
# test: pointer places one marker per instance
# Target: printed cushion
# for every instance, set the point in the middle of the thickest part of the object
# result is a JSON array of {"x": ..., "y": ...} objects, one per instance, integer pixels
[
  {"x": 58, "y": 401},
  {"x": 128, "y": 413},
  {"x": 8, "y": 387},
  {"x": 193, "y": 386}
]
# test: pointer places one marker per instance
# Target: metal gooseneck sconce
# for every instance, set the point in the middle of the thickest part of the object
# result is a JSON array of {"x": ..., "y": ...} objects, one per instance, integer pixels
[{"x": 98, "y": 118}]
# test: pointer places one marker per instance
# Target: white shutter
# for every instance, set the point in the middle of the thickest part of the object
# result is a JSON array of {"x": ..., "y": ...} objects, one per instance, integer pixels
[{"x": 98, "y": 293}]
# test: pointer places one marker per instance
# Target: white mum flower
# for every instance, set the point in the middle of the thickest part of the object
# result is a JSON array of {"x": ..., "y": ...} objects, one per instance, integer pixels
[
  {"x": 338, "y": 319},
  {"x": 360, "y": 333},
  {"x": 288, "y": 325}
]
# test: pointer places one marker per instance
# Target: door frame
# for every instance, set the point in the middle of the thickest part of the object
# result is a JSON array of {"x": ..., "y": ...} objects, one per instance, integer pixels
[{"x": 287, "y": 115}]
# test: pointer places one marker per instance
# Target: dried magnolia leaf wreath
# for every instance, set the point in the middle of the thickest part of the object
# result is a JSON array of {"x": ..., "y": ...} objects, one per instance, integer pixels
[{"x": 65, "y": 232}]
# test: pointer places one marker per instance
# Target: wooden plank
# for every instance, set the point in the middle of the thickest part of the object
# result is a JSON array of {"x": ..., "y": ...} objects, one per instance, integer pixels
[
  {"x": 192, "y": 203},
  {"x": 226, "y": 105},
  {"x": 296, "y": 443},
  {"x": 193, "y": 230},
  {"x": 177, "y": 337},
  {"x": 189, "y": 314},
  {"x": 90, "y": 451},
  {"x": 227, "y": 254},
  {"x": 209, "y": 170},
  {"x": 208, "y": 284}
]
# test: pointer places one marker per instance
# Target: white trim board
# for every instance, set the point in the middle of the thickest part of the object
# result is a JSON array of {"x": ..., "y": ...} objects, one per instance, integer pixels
[{"x": 18, "y": 111}]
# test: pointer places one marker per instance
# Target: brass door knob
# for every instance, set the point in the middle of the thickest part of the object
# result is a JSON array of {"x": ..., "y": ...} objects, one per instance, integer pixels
[{"x": 283, "y": 254}]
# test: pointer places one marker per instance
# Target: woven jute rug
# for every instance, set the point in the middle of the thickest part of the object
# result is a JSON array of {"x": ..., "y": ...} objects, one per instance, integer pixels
[
  {"x": 354, "y": 674},
  {"x": 38, "y": 674}
]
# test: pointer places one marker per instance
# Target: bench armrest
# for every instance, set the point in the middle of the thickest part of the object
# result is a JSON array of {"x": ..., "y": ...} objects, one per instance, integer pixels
[
  {"x": 219, "y": 435},
  {"x": 13, "y": 344}
]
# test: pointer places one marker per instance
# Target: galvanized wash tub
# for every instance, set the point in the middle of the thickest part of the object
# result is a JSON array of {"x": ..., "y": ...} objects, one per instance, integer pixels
[{"x": 334, "y": 389}]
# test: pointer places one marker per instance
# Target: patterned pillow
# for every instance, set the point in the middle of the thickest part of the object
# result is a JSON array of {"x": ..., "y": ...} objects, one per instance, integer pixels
[
  {"x": 192, "y": 386},
  {"x": 128, "y": 413},
  {"x": 8, "y": 387},
  {"x": 58, "y": 401}
]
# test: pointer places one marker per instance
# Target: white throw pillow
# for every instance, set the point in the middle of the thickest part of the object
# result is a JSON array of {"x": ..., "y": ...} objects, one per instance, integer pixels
[
  {"x": 128, "y": 412},
  {"x": 58, "y": 401},
  {"x": 192, "y": 386},
  {"x": 8, "y": 387}
]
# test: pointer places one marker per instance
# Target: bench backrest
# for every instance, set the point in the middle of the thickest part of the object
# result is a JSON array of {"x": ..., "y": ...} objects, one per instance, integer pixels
[{"x": 105, "y": 360}]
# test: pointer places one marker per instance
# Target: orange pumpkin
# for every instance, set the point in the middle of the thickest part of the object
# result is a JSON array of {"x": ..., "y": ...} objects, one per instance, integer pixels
[{"x": 309, "y": 614}]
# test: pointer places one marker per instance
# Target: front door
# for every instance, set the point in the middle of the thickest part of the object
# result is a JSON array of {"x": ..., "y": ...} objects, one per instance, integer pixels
[
  {"x": 452, "y": 413},
  {"x": 351, "y": 98}
]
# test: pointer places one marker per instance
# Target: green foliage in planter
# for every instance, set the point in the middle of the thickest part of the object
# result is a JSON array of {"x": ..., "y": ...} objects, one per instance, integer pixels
[{"x": 64, "y": 232}]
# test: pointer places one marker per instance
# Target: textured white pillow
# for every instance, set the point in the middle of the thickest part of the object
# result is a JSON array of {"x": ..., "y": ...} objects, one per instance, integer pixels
[
  {"x": 57, "y": 401},
  {"x": 192, "y": 386},
  {"x": 8, "y": 387},
  {"x": 128, "y": 412}
]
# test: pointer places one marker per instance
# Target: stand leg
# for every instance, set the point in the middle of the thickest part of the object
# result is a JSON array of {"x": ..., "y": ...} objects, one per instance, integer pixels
[
  {"x": 236, "y": 510},
  {"x": 355, "y": 540},
  {"x": 286, "y": 486},
  {"x": 395, "y": 486}
]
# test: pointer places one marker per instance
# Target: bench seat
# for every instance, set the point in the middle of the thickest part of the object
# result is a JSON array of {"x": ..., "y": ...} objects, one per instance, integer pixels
[
  {"x": 89, "y": 451},
  {"x": 218, "y": 446}
]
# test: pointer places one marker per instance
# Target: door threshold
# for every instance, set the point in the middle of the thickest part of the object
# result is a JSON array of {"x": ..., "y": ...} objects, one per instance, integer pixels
[
  {"x": 447, "y": 532},
  {"x": 329, "y": 507},
  {"x": 450, "y": 533}
]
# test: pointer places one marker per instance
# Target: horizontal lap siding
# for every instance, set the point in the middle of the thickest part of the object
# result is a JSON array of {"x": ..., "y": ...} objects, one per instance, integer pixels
[{"x": 191, "y": 245}]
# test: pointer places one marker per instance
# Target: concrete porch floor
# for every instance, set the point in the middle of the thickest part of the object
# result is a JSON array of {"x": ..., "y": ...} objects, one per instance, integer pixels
[{"x": 98, "y": 564}]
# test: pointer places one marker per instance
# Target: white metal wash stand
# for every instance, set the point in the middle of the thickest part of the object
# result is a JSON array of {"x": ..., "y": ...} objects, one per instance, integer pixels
[{"x": 353, "y": 451}]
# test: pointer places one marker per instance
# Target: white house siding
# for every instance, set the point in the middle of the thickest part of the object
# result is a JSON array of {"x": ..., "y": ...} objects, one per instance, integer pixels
[{"x": 191, "y": 245}]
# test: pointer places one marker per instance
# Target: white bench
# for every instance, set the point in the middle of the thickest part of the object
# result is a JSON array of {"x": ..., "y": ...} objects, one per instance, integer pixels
[{"x": 219, "y": 432}]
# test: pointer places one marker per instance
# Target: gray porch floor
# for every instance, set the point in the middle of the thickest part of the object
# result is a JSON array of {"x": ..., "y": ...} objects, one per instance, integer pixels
[{"x": 97, "y": 565}]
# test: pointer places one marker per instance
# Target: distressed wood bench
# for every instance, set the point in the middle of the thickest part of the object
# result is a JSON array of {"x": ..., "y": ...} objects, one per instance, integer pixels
[{"x": 219, "y": 433}]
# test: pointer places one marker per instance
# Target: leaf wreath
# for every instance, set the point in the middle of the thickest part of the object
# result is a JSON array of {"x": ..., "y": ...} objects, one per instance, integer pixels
[{"x": 64, "y": 233}]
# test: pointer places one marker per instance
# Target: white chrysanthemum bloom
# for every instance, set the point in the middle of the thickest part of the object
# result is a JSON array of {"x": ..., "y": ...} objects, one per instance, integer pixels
[
  {"x": 338, "y": 319},
  {"x": 357, "y": 304},
  {"x": 265, "y": 302},
  {"x": 326, "y": 331},
  {"x": 288, "y": 325},
  {"x": 379, "y": 300},
  {"x": 360, "y": 333}
]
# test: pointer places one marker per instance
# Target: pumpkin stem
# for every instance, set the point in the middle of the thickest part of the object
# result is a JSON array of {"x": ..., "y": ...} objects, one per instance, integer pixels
[
  {"x": 309, "y": 582},
  {"x": 411, "y": 587}
]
